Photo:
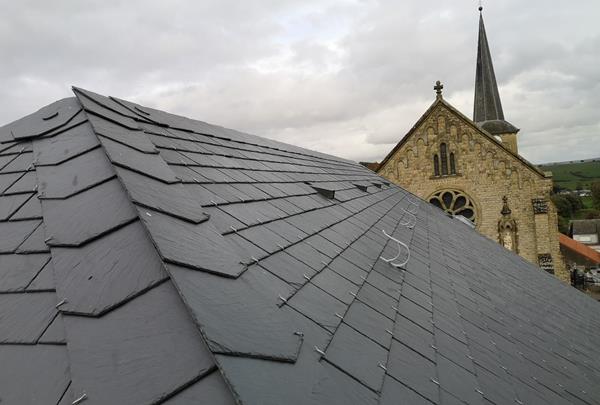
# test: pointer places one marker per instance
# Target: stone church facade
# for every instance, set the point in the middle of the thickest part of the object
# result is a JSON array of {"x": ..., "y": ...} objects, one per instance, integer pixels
[{"x": 472, "y": 168}]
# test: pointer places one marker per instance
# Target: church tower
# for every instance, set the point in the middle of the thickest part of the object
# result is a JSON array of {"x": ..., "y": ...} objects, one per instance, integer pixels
[
  {"x": 487, "y": 108},
  {"x": 472, "y": 169}
]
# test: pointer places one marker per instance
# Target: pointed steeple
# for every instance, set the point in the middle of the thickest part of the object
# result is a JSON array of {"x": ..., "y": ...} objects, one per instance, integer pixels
[
  {"x": 487, "y": 104},
  {"x": 487, "y": 108}
]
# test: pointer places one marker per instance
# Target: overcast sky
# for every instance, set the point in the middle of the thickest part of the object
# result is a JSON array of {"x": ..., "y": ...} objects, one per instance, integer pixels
[{"x": 344, "y": 77}]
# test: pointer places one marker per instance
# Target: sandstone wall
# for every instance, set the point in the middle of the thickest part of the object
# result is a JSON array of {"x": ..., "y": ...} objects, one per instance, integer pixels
[{"x": 485, "y": 172}]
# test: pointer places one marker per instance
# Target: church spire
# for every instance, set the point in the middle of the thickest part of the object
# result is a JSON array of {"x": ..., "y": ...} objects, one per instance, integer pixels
[
  {"x": 487, "y": 104},
  {"x": 487, "y": 108}
]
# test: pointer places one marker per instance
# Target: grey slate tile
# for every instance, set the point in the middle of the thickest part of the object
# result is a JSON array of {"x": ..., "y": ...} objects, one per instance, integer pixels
[
  {"x": 309, "y": 255},
  {"x": 134, "y": 139},
  {"x": 239, "y": 317},
  {"x": 378, "y": 301},
  {"x": 17, "y": 271},
  {"x": 384, "y": 284},
  {"x": 336, "y": 388},
  {"x": 25, "y": 184},
  {"x": 358, "y": 356},
  {"x": 172, "y": 199},
  {"x": 6, "y": 180},
  {"x": 31, "y": 374},
  {"x": 35, "y": 242},
  {"x": 370, "y": 323},
  {"x": 6, "y": 159},
  {"x": 82, "y": 277},
  {"x": 55, "y": 333},
  {"x": 286, "y": 230},
  {"x": 415, "y": 313},
  {"x": 44, "y": 281},
  {"x": 267, "y": 240},
  {"x": 458, "y": 381},
  {"x": 32, "y": 209},
  {"x": 45, "y": 120},
  {"x": 318, "y": 306},
  {"x": 413, "y": 370},
  {"x": 151, "y": 165},
  {"x": 336, "y": 285},
  {"x": 395, "y": 393},
  {"x": 87, "y": 215},
  {"x": 497, "y": 390},
  {"x": 414, "y": 336},
  {"x": 12, "y": 234},
  {"x": 287, "y": 268},
  {"x": 64, "y": 146},
  {"x": 11, "y": 203},
  {"x": 74, "y": 175},
  {"x": 267, "y": 382},
  {"x": 209, "y": 390},
  {"x": 453, "y": 349},
  {"x": 222, "y": 221},
  {"x": 21, "y": 163},
  {"x": 179, "y": 241},
  {"x": 138, "y": 354},
  {"x": 23, "y": 317},
  {"x": 324, "y": 246},
  {"x": 248, "y": 251}
]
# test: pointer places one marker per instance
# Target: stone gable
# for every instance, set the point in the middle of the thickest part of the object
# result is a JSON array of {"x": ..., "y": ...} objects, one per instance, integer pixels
[{"x": 478, "y": 170}]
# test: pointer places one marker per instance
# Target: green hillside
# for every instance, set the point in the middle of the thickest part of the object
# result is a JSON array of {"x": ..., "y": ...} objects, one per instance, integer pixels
[{"x": 570, "y": 175}]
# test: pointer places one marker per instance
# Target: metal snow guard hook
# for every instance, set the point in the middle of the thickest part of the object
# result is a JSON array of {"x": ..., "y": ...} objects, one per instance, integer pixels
[
  {"x": 399, "y": 251},
  {"x": 412, "y": 220},
  {"x": 414, "y": 206}
]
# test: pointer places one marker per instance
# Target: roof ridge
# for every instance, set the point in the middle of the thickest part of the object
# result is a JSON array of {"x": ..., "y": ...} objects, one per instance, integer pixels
[{"x": 165, "y": 209}]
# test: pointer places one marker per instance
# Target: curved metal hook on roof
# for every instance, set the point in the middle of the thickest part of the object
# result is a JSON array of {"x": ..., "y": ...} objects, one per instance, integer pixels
[
  {"x": 412, "y": 220},
  {"x": 413, "y": 207},
  {"x": 399, "y": 251}
]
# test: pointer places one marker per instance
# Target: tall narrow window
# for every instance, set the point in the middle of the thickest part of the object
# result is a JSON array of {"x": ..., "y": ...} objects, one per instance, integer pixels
[
  {"x": 444, "y": 157},
  {"x": 436, "y": 165},
  {"x": 452, "y": 164}
]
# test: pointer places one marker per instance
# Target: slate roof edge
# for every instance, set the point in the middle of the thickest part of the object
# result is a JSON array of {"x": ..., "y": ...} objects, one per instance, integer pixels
[{"x": 299, "y": 149}]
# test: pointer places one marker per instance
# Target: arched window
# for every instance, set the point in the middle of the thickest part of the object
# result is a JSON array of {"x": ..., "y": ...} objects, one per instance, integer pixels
[
  {"x": 436, "y": 165},
  {"x": 444, "y": 156},
  {"x": 454, "y": 202},
  {"x": 452, "y": 164}
]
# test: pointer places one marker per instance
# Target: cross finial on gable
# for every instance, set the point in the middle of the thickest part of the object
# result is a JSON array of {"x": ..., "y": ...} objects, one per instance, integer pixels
[{"x": 438, "y": 89}]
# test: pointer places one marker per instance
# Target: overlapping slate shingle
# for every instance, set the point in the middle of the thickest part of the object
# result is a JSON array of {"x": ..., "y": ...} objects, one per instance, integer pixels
[{"x": 203, "y": 264}]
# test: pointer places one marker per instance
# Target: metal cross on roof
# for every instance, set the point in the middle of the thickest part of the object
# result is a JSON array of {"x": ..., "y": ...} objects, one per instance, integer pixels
[{"x": 438, "y": 88}]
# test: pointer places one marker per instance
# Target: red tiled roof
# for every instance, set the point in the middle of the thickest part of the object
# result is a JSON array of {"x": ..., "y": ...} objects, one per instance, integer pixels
[{"x": 579, "y": 248}]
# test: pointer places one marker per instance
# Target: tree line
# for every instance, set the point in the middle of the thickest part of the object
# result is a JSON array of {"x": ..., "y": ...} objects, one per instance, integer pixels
[{"x": 571, "y": 206}]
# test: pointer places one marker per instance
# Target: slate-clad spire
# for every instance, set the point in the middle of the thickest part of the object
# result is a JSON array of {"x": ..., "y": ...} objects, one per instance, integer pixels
[
  {"x": 487, "y": 104},
  {"x": 487, "y": 108}
]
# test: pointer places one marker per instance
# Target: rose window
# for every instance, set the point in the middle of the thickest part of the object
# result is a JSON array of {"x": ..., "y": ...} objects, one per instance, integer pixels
[{"x": 454, "y": 202}]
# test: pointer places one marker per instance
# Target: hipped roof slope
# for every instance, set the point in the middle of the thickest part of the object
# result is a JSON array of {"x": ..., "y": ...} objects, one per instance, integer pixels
[{"x": 147, "y": 258}]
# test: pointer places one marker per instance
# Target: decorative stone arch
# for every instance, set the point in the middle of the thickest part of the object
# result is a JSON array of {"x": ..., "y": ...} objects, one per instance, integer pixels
[{"x": 455, "y": 202}]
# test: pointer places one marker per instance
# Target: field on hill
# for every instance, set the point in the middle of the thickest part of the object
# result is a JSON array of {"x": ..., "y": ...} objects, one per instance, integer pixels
[{"x": 570, "y": 175}]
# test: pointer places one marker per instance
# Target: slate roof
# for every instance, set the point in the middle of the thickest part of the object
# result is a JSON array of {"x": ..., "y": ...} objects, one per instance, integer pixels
[
  {"x": 147, "y": 258},
  {"x": 584, "y": 227}
]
